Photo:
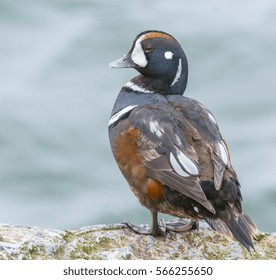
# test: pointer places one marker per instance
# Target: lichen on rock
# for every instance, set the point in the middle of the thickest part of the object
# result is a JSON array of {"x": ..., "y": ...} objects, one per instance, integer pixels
[{"x": 116, "y": 241}]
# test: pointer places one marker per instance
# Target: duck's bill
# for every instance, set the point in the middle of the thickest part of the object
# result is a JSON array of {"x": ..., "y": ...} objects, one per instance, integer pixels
[{"x": 123, "y": 62}]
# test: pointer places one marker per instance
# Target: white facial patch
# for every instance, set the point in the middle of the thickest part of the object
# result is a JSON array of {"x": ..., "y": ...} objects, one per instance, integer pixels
[
  {"x": 178, "y": 73},
  {"x": 120, "y": 114},
  {"x": 168, "y": 55},
  {"x": 138, "y": 55},
  {"x": 155, "y": 128},
  {"x": 183, "y": 164}
]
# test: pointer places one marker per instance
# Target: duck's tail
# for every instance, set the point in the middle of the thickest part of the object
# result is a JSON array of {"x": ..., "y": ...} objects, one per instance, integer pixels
[{"x": 235, "y": 224}]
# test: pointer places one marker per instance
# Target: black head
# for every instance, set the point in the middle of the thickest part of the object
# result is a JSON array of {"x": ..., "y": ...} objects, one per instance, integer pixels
[{"x": 161, "y": 61}]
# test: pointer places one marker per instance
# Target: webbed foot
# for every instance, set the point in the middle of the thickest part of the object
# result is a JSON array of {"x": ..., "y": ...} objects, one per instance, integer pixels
[
  {"x": 157, "y": 230},
  {"x": 181, "y": 225}
]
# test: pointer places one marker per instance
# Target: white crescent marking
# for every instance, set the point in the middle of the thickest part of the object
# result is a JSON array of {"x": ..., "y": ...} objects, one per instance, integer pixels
[
  {"x": 178, "y": 73},
  {"x": 120, "y": 113}
]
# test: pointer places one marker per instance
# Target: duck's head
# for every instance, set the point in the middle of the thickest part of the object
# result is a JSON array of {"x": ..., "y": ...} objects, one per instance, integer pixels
[{"x": 161, "y": 61}]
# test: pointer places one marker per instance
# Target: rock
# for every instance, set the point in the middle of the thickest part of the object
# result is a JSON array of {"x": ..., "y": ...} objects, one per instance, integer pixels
[{"x": 110, "y": 242}]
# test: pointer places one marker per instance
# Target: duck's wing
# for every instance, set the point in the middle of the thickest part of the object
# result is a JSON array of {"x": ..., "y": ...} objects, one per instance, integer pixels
[{"x": 166, "y": 152}]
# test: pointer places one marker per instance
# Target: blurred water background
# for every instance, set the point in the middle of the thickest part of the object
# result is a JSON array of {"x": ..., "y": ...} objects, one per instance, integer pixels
[{"x": 57, "y": 92}]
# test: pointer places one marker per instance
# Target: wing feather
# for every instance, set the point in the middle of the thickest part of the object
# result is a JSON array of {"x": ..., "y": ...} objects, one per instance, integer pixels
[{"x": 219, "y": 169}]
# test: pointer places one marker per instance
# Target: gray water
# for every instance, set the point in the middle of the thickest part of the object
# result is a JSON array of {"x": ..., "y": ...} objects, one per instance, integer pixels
[{"x": 56, "y": 94}]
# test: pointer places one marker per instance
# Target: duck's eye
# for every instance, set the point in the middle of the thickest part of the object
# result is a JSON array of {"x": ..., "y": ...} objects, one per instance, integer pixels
[{"x": 148, "y": 49}]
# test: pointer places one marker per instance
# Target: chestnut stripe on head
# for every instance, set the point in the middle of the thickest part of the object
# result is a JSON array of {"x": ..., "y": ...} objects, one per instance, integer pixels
[{"x": 156, "y": 34}]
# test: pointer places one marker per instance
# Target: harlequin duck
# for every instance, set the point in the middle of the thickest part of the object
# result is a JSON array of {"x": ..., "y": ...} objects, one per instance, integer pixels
[{"x": 169, "y": 147}]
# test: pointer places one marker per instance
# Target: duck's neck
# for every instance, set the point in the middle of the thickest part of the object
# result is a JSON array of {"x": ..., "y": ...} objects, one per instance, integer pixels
[{"x": 171, "y": 84}]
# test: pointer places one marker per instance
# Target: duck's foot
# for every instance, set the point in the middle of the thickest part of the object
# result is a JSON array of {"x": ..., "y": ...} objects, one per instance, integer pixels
[
  {"x": 181, "y": 225},
  {"x": 161, "y": 228},
  {"x": 158, "y": 230}
]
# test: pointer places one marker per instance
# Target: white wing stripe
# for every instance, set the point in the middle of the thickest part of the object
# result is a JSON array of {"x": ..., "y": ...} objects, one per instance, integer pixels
[
  {"x": 223, "y": 153},
  {"x": 155, "y": 128},
  {"x": 187, "y": 163},
  {"x": 212, "y": 118},
  {"x": 176, "y": 166}
]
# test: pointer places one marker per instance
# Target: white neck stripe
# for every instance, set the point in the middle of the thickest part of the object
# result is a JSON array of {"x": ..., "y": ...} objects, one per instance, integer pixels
[
  {"x": 135, "y": 87},
  {"x": 178, "y": 73}
]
